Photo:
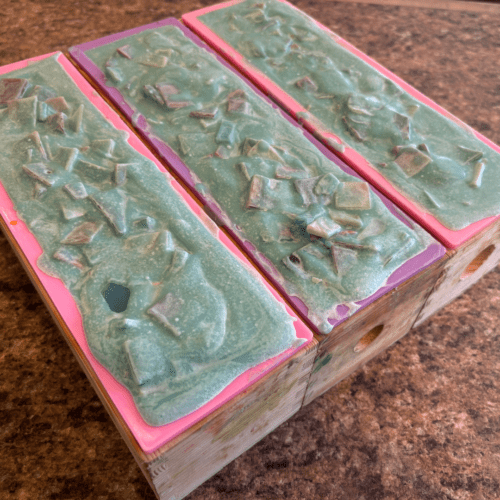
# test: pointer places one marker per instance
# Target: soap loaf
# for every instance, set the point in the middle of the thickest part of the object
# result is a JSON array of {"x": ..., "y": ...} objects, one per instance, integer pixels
[
  {"x": 169, "y": 311},
  {"x": 439, "y": 170},
  {"x": 433, "y": 166},
  {"x": 324, "y": 237}
]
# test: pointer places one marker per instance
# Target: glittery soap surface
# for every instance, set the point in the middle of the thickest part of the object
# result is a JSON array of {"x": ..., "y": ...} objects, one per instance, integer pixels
[
  {"x": 169, "y": 311},
  {"x": 435, "y": 161},
  {"x": 323, "y": 234}
]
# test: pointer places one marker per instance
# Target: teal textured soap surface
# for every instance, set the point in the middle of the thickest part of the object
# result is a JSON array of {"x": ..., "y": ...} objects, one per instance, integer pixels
[
  {"x": 436, "y": 162},
  {"x": 323, "y": 234},
  {"x": 166, "y": 308}
]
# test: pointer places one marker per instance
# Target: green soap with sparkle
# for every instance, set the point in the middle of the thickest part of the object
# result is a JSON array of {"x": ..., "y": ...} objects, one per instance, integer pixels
[
  {"x": 445, "y": 169},
  {"x": 299, "y": 209},
  {"x": 166, "y": 308}
]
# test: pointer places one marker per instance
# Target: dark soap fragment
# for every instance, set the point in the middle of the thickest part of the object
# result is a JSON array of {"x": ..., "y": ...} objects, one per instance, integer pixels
[
  {"x": 124, "y": 51},
  {"x": 57, "y": 122},
  {"x": 41, "y": 173},
  {"x": 58, "y": 103},
  {"x": 82, "y": 234},
  {"x": 12, "y": 88},
  {"x": 306, "y": 84},
  {"x": 112, "y": 204},
  {"x": 116, "y": 296},
  {"x": 70, "y": 256},
  {"x": 411, "y": 160},
  {"x": 150, "y": 92},
  {"x": 209, "y": 112}
]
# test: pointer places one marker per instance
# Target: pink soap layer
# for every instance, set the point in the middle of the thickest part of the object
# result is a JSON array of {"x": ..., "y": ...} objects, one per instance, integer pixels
[
  {"x": 448, "y": 237},
  {"x": 148, "y": 438}
]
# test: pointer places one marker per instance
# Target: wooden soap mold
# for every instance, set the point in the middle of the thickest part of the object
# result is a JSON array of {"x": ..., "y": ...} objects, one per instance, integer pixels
[
  {"x": 257, "y": 391},
  {"x": 349, "y": 336},
  {"x": 154, "y": 467},
  {"x": 449, "y": 238}
]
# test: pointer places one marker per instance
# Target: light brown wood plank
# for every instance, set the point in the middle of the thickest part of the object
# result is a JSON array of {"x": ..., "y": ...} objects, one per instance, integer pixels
[
  {"x": 370, "y": 331},
  {"x": 464, "y": 267},
  {"x": 437, "y": 4}
]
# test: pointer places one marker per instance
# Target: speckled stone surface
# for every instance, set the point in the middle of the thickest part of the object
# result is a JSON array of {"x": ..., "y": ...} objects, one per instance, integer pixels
[{"x": 421, "y": 421}]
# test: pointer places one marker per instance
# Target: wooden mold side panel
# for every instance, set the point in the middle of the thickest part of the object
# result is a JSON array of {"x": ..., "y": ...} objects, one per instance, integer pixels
[
  {"x": 370, "y": 331},
  {"x": 465, "y": 266},
  {"x": 231, "y": 430}
]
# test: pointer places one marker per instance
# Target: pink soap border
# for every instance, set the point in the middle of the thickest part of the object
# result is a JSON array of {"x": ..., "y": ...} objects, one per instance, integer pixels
[
  {"x": 411, "y": 267},
  {"x": 149, "y": 438},
  {"x": 450, "y": 238}
]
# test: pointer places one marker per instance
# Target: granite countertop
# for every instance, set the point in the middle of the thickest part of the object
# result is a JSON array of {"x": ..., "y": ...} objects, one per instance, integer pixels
[{"x": 421, "y": 421}]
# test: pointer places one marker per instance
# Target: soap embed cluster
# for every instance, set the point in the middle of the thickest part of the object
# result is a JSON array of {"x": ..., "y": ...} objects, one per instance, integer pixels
[
  {"x": 435, "y": 161},
  {"x": 322, "y": 233}
]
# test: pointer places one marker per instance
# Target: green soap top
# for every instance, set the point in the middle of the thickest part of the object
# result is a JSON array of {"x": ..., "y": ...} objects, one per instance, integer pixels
[
  {"x": 434, "y": 161},
  {"x": 325, "y": 235},
  {"x": 166, "y": 308}
]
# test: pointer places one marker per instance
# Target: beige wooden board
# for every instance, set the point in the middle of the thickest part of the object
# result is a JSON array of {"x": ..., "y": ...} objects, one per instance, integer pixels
[
  {"x": 464, "y": 267},
  {"x": 207, "y": 447},
  {"x": 370, "y": 331}
]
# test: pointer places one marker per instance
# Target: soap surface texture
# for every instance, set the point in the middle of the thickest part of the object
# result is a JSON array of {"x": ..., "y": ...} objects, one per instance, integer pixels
[
  {"x": 437, "y": 162},
  {"x": 166, "y": 308}
]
